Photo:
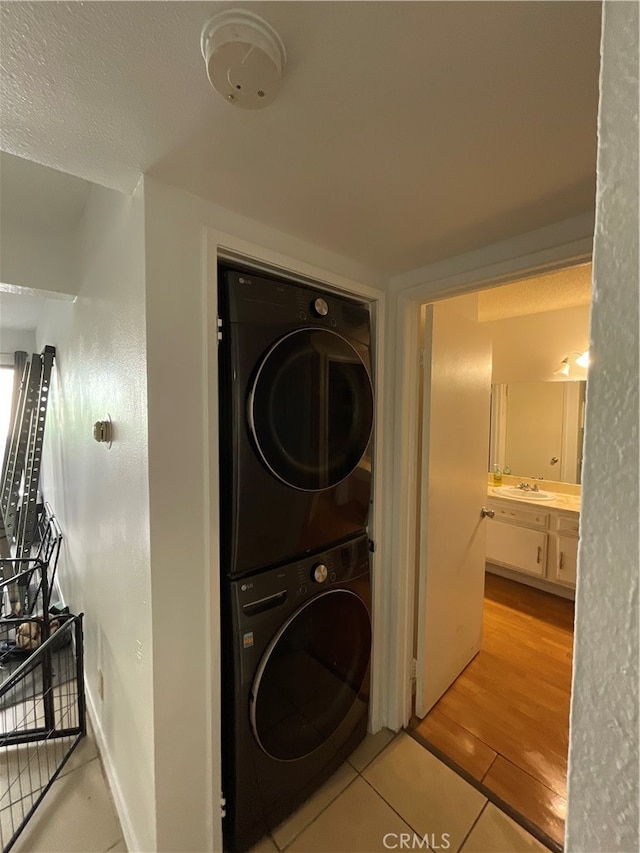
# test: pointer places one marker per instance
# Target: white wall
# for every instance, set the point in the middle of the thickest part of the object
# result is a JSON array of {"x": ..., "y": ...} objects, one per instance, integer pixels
[
  {"x": 41, "y": 260},
  {"x": 185, "y": 683},
  {"x": 530, "y": 348},
  {"x": 101, "y": 496},
  {"x": 17, "y": 339},
  {"x": 603, "y": 755}
]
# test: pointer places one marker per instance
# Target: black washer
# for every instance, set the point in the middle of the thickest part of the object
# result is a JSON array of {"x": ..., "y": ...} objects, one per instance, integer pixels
[{"x": 296, "y": 664}]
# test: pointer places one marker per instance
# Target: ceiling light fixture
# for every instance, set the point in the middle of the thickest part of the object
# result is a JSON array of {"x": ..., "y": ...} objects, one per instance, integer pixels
[
  {"x": 245, "y": 58},
  {"x": 565, "y": 364}
]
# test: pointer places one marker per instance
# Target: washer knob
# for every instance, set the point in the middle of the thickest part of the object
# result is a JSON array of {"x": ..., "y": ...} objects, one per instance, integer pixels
[
  {"x": 319, "y": 573},
  {"x": 320, "y": 307}
]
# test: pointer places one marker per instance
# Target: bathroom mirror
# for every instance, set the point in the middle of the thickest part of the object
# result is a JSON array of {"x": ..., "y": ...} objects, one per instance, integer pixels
[{"x": 537, "y": 429}]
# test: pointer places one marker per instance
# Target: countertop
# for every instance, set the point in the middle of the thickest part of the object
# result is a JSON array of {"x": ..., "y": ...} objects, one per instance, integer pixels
[{"x": 566, "y": 503}]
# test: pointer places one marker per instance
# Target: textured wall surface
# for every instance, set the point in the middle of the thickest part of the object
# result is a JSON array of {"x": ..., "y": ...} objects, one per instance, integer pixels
[
  {"x": 101, "y": 495},
  {"x": 603, "y": 757},
  {"x": 14, "y": 339},
  {"x": 38, "y": 260}
]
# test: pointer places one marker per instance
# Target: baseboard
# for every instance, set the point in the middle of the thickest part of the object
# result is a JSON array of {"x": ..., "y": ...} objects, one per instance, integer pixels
[{"x": 112, "y": 777}]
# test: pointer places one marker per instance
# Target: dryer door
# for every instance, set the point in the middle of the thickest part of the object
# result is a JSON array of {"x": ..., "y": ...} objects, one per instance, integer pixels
[
  {"x": 310, "y": 409},
  {"x": 312, "y": 673}
]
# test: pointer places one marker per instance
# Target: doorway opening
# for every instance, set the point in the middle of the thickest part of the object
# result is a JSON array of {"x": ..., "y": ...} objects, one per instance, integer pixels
[{"x": 501, "y": 402}]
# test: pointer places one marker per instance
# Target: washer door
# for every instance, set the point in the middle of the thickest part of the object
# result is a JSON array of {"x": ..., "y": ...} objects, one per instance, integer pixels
[
  {"x": 310, "y": 409},
  {"x": 311, "y": 675}
]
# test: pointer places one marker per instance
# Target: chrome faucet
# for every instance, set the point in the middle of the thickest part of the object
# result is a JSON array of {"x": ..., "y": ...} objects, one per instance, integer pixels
[{"x": 526, "y": 487}]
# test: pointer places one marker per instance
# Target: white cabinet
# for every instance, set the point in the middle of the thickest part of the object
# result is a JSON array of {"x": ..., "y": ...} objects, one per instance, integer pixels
[
  {"x": 537, "y": 543},
  {"x": 516, "y": 547},
  {"x": 531, "y": 517},
  {"x": 566, "y": 561}
]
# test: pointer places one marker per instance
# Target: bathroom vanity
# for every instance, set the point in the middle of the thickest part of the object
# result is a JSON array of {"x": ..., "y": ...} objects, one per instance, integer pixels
[{"x": 533, "y": 539}]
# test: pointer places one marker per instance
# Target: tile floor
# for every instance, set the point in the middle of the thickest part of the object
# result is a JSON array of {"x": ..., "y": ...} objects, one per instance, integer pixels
[
  {"x": 389, "y": 787},
  {"x": 77, "y": 814},
  {"x": 392, "y": 786}
]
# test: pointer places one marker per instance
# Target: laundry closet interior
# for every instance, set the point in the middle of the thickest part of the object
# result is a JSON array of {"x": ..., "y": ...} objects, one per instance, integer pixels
[{"x": 296, "y": 426}]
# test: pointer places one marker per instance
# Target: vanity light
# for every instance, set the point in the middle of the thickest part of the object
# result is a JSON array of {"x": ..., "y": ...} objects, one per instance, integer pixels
[
  {"x": 565, "y": 364},
  {"x": 563, "y": 369}
]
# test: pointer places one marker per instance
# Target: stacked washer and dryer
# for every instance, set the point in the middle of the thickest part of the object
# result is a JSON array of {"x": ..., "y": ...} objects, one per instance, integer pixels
[{"x": 296, "y": 417}]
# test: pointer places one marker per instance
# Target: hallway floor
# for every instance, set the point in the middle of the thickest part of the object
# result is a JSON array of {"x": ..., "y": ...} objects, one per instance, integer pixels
[
  {"x": 505, "y": 720},
  {"x": 391, "y": 785},
  {"x": 77, "y": 815}
]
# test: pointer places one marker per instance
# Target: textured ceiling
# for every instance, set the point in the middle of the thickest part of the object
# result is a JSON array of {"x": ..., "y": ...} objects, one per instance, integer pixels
[
  {"x": 567, "y": 288},
  {"x": 403, "y": 133}
]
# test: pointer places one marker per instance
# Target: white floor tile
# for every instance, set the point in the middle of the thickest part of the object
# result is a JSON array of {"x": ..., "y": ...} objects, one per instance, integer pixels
[
  {"x": 12, "y": 813},
  {"x": 76, "y": 816},
  {"x": 495, "y": 832},
  {"x": 84, "y": 752},
  {"x": 369, "y": 748},
  {"x": 31, "y": 765},
  {"x": 426, "y": 793},
  {"x": 358, "y": 821},
  {"x": 306, "y": 814}
]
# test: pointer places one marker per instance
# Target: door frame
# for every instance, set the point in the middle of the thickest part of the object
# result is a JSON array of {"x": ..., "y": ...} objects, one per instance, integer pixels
[
  {"x": 476, "y": 271},
  {"x": 219, "y": 245}
]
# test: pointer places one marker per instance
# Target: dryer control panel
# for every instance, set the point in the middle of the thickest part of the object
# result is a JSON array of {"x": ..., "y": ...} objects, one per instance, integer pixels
[{"x": 251, "y": 297}]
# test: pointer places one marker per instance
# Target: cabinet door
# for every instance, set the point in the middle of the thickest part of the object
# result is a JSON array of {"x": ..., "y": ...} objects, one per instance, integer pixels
[
  {"x": 566, "y": 560},
  {"x": 517, "y": 547}
]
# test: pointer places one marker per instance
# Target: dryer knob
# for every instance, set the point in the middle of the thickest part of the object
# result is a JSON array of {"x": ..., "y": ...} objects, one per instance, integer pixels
[
  {"x": 320, "y": 307},
  {"x": 319, "y": 573}
]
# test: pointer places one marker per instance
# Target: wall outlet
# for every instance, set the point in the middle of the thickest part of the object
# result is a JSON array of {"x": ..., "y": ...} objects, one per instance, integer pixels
[{"x": 100, "y": 684}]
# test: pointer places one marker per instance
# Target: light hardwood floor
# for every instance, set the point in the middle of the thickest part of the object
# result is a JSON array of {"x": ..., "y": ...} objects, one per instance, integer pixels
[{"x": 505, "y": 720}]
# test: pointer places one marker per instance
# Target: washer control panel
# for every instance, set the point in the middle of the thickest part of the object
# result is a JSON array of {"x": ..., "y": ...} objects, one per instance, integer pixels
[
  {"x": 293, "y": 583},
  {"x": 320, "y": 573},
  {"x": 317, "y": 308}
]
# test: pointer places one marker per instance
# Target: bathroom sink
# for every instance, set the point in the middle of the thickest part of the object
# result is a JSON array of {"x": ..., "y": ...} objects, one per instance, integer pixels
[{"x": 522, "y": 494}]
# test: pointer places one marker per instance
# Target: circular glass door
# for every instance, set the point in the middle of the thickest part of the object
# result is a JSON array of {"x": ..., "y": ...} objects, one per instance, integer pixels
[
  {"x": 310, "y": 409},
  {"x": 311, "y": 675}
]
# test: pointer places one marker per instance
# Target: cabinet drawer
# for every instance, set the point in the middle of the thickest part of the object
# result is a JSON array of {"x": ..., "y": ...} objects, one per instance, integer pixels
[
  {"x": 507, "y": 512},
  {"x": 518, "y": 548},
  {"x": 568, "y": 524}
]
